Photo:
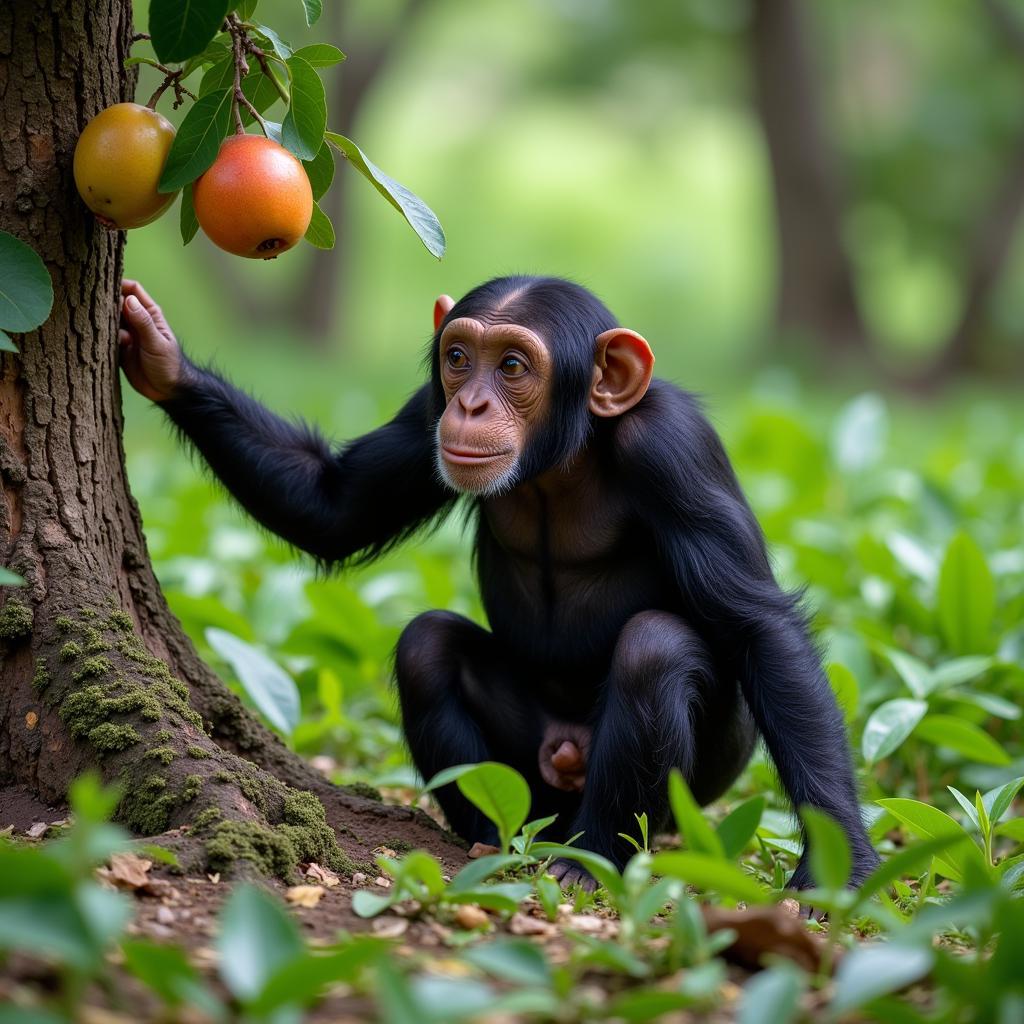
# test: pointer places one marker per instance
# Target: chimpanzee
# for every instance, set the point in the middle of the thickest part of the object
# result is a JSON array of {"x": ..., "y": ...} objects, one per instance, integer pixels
[{"x": 635, "y": 623}]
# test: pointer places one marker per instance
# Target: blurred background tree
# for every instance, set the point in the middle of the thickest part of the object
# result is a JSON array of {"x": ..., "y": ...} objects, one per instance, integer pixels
[{"x": 767, "y": 177}]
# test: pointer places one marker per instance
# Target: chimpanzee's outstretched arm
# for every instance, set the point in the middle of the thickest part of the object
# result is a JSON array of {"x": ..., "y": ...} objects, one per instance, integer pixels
[
  {"x": 376, "y": 489},
  {"x": 687, "y": 495}
]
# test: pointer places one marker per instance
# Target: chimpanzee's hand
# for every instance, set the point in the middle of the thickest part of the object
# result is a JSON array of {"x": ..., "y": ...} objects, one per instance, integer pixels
[
  {"x": 150, "y": 355},
  {"x": 563, "y": 755}
]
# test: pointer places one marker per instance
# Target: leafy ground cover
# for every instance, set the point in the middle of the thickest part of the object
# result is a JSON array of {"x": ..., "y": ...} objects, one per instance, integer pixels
[{"x": 905, "y": 527}]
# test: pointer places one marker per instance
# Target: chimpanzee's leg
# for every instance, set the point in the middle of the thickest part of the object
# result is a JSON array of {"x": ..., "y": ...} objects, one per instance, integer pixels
[
  {"x": 462, "y": 703},
  {"x": 662, "y": 708}
]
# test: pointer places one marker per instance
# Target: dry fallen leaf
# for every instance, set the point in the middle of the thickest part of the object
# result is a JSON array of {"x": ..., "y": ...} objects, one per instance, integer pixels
[
  {"x": 762, "y": 930},
  {"x": 390, "y": 927},
  {"x": 215, "y": 877},
  {"x": 304, "y": 895},
  {"x": 520, "y": 924},
  {"x": 481, "y": 850},
  {"x": 470, "y": 916},
  {"x": 126, "y": 871},
  {"x": 325, "y": 876},
  {"x": 385, "y": 851}
]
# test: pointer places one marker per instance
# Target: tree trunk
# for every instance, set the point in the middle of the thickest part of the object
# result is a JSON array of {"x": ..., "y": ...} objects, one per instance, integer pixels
[
  {"x": 96, "y": 671},
  {"x": 815, "y": 292}
]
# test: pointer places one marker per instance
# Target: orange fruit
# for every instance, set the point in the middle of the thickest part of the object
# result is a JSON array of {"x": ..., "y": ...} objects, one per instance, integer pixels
[
  {"x": 255, "y": 200},
  {"x": 118, "y": 161}
]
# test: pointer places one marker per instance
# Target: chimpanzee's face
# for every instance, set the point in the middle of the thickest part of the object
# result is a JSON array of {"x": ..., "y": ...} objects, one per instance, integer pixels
[{"x": 497, "y": 383}]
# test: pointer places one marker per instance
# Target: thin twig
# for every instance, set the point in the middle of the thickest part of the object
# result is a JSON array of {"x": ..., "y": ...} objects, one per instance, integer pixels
[
  {"x": 172, "y": 77},
  {"x": 241, "y": 70}
]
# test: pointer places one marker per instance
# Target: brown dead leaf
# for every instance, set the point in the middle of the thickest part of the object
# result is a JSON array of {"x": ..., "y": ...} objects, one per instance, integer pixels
[
  {"x": 762, "y": 930},
  {"x": 31, "y": 720},
  {"x": 481, "y": 850},
  {"x": 470, "y": 916},
  {"x": 127, "y": 871},
  {"x": 390, "y": 927},
  {"x": 520, "y": 924},
  {"x": 385, "y": 851},
  {"x": 322, "y": 875},
  {"x": 304, "y": 895}
]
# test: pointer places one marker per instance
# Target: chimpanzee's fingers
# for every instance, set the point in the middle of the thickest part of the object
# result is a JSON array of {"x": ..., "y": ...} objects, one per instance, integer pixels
[
  {"x": 129, "y": 287},
  {"x": 140, "y": 321}
]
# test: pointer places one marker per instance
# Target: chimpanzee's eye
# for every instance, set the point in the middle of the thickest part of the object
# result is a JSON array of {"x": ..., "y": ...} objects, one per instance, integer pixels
[
  {"x": 456, "y": 358},
  {"x": 513, "y": 366}
]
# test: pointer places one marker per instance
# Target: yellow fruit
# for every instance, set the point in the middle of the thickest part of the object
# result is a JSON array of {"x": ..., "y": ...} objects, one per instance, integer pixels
[
  {"x": 255, "y": 200},
  {"x": 118, "y": 161}
]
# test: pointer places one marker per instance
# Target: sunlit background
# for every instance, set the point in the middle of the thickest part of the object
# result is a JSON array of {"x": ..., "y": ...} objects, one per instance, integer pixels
[{"x": 812, "y": 220}]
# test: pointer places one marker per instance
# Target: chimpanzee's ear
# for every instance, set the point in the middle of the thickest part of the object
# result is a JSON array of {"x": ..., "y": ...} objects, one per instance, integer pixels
[
  {"x": 623, "y": 366},
  {"x": 442, "y": 308}
]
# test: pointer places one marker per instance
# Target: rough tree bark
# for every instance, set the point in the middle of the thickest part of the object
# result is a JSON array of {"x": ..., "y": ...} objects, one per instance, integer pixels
[
  {"x": 96, "y": 671},
  {"x": 815, "y": 294}
]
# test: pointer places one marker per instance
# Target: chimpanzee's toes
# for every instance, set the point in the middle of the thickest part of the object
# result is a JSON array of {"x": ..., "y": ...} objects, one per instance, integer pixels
[{"x": 568, "y": 873}]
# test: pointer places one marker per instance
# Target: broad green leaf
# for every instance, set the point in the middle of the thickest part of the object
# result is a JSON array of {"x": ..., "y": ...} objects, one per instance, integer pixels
[
  {"x": 829, "y": 852},
  {"x": 256, "y": 938},
  {"x": 874, "y": 970},
  {"x": 6, "y": 345},
  {"x": 908, "y": 861},
  {"x": 166, "y": 970},
  {"x": 10, "y": 579},
  {"x": 420, "y": 217},
  {"x": 997, "y": 801},
  {"x": 705, "y": 872},
  {"x": 860, "y": 433},
  {"x": 929, "y": 822},
  {"x": 844, "y": 686},
  {"x": 182, "y": 29},
  {"x": 188, "y": 221},
  {"x": 500, "y": 793},
  {"x": 220, "y": 76},
  {"x": 313, "y": 9},
  {"x": 968, "y": 807},
  {"x": 447, "y": 776},
  {"x": 513, "y": 960},
  {"x": 960, "y": 670},
  {"x": 889, "y": 725},
  {"x": 320, "y": 170},
  {"x": 738, "y": 827},
  {"x": 320, "y": 55},
  {"x": 370, "y": 904},
  {"x": 320, "y": 231},
  {"x": 995, "y": 705},
  {"x": 966, "y": 597},
  {"x": 693, "y": 827},
  {"x": 281, "y": 48},
  {"x": 772, "y": 995},
  {"x": 271, "y": 689},
  {"x": 600, "y": 867},
  {"x": 26, "y": 291},
  {"x": 914, "y": 672},
  {"x": 246, "y": 9},
  {"x": 962, "y": 736},
  {"x": 303, "y": 127},
  {"x": 477, "y": 871},
  {"x": 198, "y": 141},
  {"x": 914, "y": 556},
  {"x": 260, "y": 91}
]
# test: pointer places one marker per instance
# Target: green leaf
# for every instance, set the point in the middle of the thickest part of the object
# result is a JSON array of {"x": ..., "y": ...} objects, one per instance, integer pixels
[
  {"x": 320, "y": 170},
  {"x": 772, "y": 995},
  {"x": 6, "y": 345},
  {"x": 514, "y": 960},
  {"x": 874, "y": 970},
  {"x": 960, "y": 670},
  {"x": 166, "y": 970},
  {"x": 320, "y": 55},
  {"x": 962, "y": 736},
  {"x": 889, "y": 725},
  {"x": 914, "y": 672},
  {"x": 600, "y": 867},
  {"x": 220, "y": 76},
  {"x": 281, "y": 48},
  {"x": 26, "y": 291},
  {"x": 828, "y": 850},
  {"x": 256, "y": 938},
  {"x": 189, "y": 222},
  {"x": 477, "y": 871},
  {"x": 966, "y": 597},
  {"x": 860, "y": 433},
  {"x": 998, "y": 801},
  {"x": 313, "y": 9},
  {"x": 501, "y": 793},
  {"x": 419, "y": 216},
  {"x": 709, "y": 873},
  {"x": 698, "y": 835},
  {"x": 303, "y": 127},
  {"x": 908, "y": 861},
  {"x": 844, "y": 686},
  {"x": 261, "y": 92},
  {"x": 929, "y": 822},
  {"x": 197, "y": 143},
  {"x": 246, "y": 9},
  {"x": 181, "y": 30},
  {"x": 271, "y": 689},
  {"x": 370, "y": 904},
  {"x": 10, "y": 579},
  {"x": 320, "y": 231},
  {"x": 447, "y": 776},
  {"x": 968, "y": 808}
]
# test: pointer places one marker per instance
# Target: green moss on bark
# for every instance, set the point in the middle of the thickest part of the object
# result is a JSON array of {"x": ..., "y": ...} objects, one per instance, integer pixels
[
  {"x": 266, "y": 849},
  {"x": 206, "y": 818},
  {"x": 192, "y": 788},
  {"x": 165, "y": 755},
  {"x": 15, "y": 620},
  {"x": 41, "y": 676},
  {"x": 197, "y": 752},
  {"x": 364, "y": 789},
  {"x": 109, "y": 738},
  {"x": 71, "y": 650}
]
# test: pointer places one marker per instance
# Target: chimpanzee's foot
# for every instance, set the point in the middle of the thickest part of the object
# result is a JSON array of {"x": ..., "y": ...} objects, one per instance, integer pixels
[{"x": 568, "y": 873}]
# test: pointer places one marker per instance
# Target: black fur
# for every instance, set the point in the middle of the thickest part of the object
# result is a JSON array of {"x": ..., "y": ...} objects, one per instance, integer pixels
[{"x": 672, "y": 645}]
